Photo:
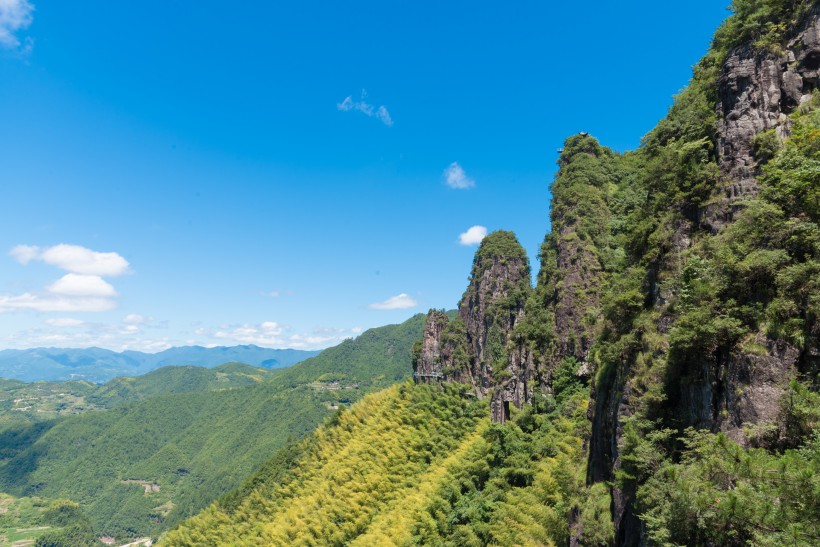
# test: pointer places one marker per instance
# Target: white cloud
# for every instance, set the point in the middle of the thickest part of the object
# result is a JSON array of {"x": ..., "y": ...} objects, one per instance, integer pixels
[
  {"x": 75, "y": 333},
  {"x": 398, "y": 302},
  {"x": 268, "y": 333},
  {"x": 24, "y": 253},
  {"x": 473, "y": 236},
  {"x": 455, "y": 177},
  {"x": 65, "y": 322},
  {"x": 384, "y": 116},
  {"x": 133, "y": 319},
  {"x": 82, "y": 285},
  {"x": 302, "y": 341},
  {"x": 81, "y": 290},
  {"x": 274, "y": 335},
  {"x": 366, "y": 108},
  {"x": 73, "y": 258},
  {"x": 148, "y": 346},
  {"x": 28, "y": 301},
  {"x": 76, "y": 259},
  {"x": 70, "y": 332},
  {"x": 15, "y": 15}
]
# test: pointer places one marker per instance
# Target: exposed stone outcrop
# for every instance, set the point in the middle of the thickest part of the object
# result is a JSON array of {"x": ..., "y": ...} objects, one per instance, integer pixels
[
  {"x": 571, "y": 268},
  {"x": 757, "y": 90},
  {"x": 476, "y": 348},
  {"x": 427, "y": 361},
  {"x": 577, "y": 303},
  {"x": 482, "y": 346},
  {"x": 494, "y": 301},
  {"x": 517, "y": 388},
  {"x": 756, "y": 385},
  {"x": 737, "y": 391},
  {"x": 508, "y": 338}
]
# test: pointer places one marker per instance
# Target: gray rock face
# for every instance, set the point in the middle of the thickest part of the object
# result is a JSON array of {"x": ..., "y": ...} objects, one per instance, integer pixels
[
  {"x": 577, "y": 302},
  {"x": 742, "y": 395},
  {"x": 518, "y": 388},
  {"x": 572, "y": 251},
  {"x": 756, "y": 92},
  {"x": 488, "y": 309},
  {"x": 739, "y": 390},
  {"x": 477, "y": 348},
  {"x": 758, "y": 384},
  {"x": 427, "y": 365}
]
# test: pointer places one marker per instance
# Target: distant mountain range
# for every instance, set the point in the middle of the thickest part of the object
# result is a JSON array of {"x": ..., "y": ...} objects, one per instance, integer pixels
[
  {"x": 100, "y": 365},
  {"x": 194, "y": 434}
]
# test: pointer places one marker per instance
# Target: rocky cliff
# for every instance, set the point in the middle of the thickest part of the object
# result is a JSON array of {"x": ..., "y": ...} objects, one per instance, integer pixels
[
  {"x": 510, "y": 337},
  {"x": 757, "y": 91},
  {"x": 718, "y": 365},
  {"x": 476, "y": 347},
  {"x": 681, "y": 279}
]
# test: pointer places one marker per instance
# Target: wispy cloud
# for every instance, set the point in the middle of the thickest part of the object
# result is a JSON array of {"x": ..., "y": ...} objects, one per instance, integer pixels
[
  {"x": 384, "y": 116},
  {"x": 473, "y": 235},
  {"x": 365, "y": 108},
  {"x": 398, "y": 302},
  {"x": 73, "y": 333},
  {"x": 65, "y": 322},
  {"x": 143, "y": 333},
  {"x": 455, "y": 177},
  {"x": 48, "y": 303},
  {"x": 274, "y": 335},
  {"x": 24, "y": 253},
  {"x": 134, "y": 319},
  {"x": 15, "y": 15}
]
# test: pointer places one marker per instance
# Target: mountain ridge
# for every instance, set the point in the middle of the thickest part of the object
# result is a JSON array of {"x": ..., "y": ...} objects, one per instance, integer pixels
[
  {"x": 99, "y": 365},
  {"x": 176, "y": 428},
  {"x": 660, "y": 385}
]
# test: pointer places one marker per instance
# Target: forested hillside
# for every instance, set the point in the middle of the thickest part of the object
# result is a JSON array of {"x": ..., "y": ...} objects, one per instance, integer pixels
[
  {"x": 417, "y": 465},
  {"x": 175, "y": 440},
  {"x": 678, "y": 291},
  {"x": 24, "y": 403}
]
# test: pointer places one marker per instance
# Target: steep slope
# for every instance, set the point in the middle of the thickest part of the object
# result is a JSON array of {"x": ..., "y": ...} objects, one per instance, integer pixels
[
  {"x": 472, "y": 348},
  {"x": 376, "y": 359},
  {"x": 715, "y": 318},
  {"x": 682, "y": 280},
  {"x": 679, "y": 288},
  {"x": 139, "y": 468},
  {"x": 415, "y": 465}
]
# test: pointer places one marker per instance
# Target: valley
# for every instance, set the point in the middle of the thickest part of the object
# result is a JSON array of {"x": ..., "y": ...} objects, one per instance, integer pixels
[
  {"x": 646, "y": 374},
  {"x": 159, "y": 447}
]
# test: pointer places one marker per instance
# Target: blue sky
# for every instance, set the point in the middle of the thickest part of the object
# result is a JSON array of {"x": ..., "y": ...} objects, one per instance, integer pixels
[{"x": 290, "y": 173}]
